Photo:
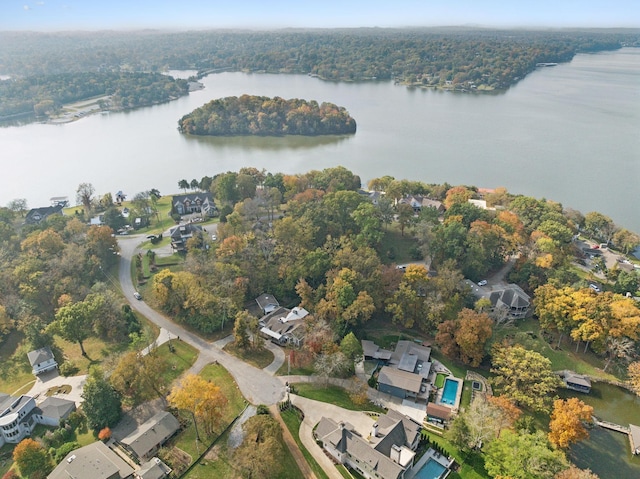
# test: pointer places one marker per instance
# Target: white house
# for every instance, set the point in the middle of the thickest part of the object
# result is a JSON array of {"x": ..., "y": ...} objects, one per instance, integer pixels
[{"x": 42, "y": 360}]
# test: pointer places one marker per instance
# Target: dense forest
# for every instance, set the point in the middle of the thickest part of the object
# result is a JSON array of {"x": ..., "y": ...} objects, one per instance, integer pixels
[
  {"x": 260, "y": 115},
  {"x": 44, "y": 94},
  {"x": 473, "y": 59},
  {"x": 317, "y": 240}
]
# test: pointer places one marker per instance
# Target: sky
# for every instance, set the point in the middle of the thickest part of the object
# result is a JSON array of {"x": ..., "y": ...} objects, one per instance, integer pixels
[{"x": 52, "y": 15}]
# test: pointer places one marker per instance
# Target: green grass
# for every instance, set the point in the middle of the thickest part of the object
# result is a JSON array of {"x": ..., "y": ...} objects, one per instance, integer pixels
[
  {"x": 467, "y": 389},
  {"x": 15, "y": 371},
  {"x": 260, "y": 358},
  {"x": 440, "y": 377},
  {"x": 291, "y": 418},
  {"x": 177, "y": 362},
  {"x": 333, "y": 395},
  {"x": 395, "y": 248},
  {"x": 471, "y": 465},
  {"x": 343, "y": 472}
]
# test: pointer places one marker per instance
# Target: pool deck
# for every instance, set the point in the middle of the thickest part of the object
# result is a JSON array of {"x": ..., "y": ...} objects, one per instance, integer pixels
[
  {"x": 456, "y": 404},
  {"x": 430, "y": 454}
]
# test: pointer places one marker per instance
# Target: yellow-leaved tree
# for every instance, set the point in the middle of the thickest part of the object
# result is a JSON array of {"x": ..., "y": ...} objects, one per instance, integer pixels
[
  {"x": 202, "y": 399},
  {"x": 566, "y": 426}
]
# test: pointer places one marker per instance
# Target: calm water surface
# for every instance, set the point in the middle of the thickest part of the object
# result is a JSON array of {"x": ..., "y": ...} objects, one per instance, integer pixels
[{"x": 568, "y": 133}]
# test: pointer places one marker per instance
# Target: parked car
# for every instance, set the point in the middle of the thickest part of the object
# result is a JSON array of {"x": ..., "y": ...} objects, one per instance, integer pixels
[
  {"x": 137, "y": 295},
  {"x": 595, "y": 287},
  {"x": 484, "y": 282},
  {"x": 214, "y": 238}
]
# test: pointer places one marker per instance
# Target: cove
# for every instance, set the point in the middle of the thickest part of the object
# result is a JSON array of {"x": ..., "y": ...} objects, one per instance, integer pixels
[{"x": 567, "y": 133}]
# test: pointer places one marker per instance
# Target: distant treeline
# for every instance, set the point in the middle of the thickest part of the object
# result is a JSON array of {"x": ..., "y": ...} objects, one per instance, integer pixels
[
  {"x": 42, "y": 94},
  {"x": 488, "y": 58},
  {"x": 264, "y": 116}
]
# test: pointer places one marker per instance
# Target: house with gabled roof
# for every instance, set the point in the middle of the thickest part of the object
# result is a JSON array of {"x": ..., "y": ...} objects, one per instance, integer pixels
[
  {"x": 147, "y": 438},
  {"x": 511, "y": 299},
  {"x": 53, "y": 410},
  {"x": 285, "y": 326},
  {"x": 267, "y": 303},
  {"x": 201, "y": 202},
  {"x": 42, "y": 360},
  {"x": 387, "y": 453},
  {"x": 183, "y": 233},
  {"x": 153, "y": 469},
  {"x": 38, "y": 215},
  {"x": 95, "y": 461},
  {"x": 407, "y": 371}
]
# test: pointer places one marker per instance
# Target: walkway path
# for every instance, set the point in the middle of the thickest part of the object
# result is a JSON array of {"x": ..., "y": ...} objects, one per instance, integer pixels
[{"x": 292, "y": 445}]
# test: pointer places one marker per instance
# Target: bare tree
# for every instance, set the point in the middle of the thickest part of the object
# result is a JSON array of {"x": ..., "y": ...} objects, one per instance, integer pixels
[{"x": 84, "y": 196}]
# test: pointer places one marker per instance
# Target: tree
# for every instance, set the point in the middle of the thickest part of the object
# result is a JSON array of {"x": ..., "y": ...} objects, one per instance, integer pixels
[
  {"x": 102, "y": 404},
  {"x": 599, "y": 226},
  {"x": 633, "y": 371},
  {"x": 18, "y": 205},
  {"x": 524, "y": 376},
  {"x": 405, "y": 216},
  {"x": 523, "y": 455},
  {"x": 84, "y": 196},
  {"x": 351, "y": 347},
  {"x": 74, "y": 322},
  {"x": 183, "y": 185},
  {"x": 257, "y": 457},
  {"x": 202, "y": 398},
  {"x": 240, "y": 329},
  {"x": 31, "y": 457},
  {"x": 472, "y": 336},
  {"x": 574, "y": 473},
  {"x": 626, "y": 240},
  {"x": 139, "y": 378},
  {"x": 566, "y": 426}
]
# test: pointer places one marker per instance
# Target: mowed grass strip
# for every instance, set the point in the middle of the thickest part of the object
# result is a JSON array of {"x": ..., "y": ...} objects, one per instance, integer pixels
[{"x": 331, "y": 394}]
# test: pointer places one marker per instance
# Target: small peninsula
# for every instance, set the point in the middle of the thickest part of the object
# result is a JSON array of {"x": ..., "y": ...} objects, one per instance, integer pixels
[{"x": 264, "y": 116}]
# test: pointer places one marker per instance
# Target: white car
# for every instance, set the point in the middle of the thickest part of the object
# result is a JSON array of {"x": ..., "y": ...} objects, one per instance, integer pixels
[
  {"x": 214, "y": 237},
  {"x": 137, "y": 295},
  {"x": 482, "y": 283}
]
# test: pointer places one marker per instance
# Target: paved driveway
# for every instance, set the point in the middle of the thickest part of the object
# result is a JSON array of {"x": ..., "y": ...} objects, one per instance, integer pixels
[{"x": 53, "y": 379}]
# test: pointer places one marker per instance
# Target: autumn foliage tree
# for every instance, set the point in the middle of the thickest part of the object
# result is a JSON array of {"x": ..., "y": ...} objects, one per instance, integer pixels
[
  {"x": 634, "y": 376},
  {"x": 567, "y": 422},
  {"x": 466, "y": 337},
  {"x": 31, "y": 457},
  {"x": 202, "y": 398}
]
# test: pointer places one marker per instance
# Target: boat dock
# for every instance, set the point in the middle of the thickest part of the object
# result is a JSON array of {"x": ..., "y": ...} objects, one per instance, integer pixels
[{"x": 612, "y": 426}]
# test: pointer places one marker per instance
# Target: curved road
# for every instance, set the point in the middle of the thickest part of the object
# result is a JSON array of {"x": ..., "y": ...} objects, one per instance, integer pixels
[{"x": 256, "y": 385}]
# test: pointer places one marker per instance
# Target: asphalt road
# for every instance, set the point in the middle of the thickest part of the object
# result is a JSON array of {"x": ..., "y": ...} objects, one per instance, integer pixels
[{"x": 256, "y": 385}]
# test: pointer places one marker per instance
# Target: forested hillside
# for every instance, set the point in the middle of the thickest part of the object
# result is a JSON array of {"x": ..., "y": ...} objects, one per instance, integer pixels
[{"x": 260, "y": 115}]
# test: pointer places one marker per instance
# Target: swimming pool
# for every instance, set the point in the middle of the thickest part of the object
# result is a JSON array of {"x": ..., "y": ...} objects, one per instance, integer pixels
[
  {"x": 449, "y": 392},
  {"x": 431, "y": 470}
]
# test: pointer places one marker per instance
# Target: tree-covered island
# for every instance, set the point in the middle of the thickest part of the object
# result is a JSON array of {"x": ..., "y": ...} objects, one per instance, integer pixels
[{"x": 264, "y": 116}]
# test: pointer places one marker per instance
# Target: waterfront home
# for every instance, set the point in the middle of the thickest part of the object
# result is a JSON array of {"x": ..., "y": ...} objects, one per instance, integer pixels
[
  {"x": 37, "y": 215},
  {"x": 387, "y": 453},
  {"x": 194, "y": 203}
]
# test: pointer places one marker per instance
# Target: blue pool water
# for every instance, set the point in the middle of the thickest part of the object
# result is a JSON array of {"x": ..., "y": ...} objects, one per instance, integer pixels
[
  {"x": 431, "y": 470},
  {"x": 450, "y": 391}
]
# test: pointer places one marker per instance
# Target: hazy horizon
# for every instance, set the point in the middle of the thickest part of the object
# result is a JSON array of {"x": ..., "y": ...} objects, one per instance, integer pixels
[{"x": 58, "y": 15}]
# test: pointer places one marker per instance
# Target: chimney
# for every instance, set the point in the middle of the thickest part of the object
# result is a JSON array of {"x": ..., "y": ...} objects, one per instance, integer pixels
[
  {"x": 374, "y": 430},
  {"x": 394, "y": 454}
]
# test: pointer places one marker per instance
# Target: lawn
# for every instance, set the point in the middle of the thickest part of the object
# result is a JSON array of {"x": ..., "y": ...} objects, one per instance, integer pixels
[
  {"x": 15, "y": 371},
  {"x": 333, "y": 395},
  {"x": 471, "y": 465},
  {"x": 260, "y": 358},
  {"x": 291, "y": 418},
  {"x": 440, "y": 377},
  {"x": 178, "y": 361},
  {"x": 395, "y": 248}
]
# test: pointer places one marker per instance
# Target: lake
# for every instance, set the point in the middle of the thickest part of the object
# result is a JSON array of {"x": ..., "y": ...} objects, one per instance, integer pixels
[{"x": 567, "y": 133}]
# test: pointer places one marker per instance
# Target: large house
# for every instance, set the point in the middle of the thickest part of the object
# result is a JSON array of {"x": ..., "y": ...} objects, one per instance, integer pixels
[
  {"x": 387, "y": 453},
  {"x": 183, "y": 233},
  {"x": 420, "y": 202},
  {"x": 37, "y": 215},
  {"x": 19, "y": 415},
  {"x": 405, "y": 375},
  {"x": 509, "y": 299},
  {"x": 194, "y": 203},
  {"x": 285, "y": 326},
  {"x": 95, "y": 461},
  {"x": 42, "y": 360},
  {"x": 147, "y": 438}
]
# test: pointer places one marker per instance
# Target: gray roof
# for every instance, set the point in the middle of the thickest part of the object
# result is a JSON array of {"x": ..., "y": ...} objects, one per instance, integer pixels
[
  {"x": 5, "y": 401},
  {"x": 39, "y": 356},
  {"x": 56, "y": 408},
  {"x": 345, "y": 440},
  {"x": 371, "y": 350},
  {"x": 408, "y": 362},
  {"x": 153, "y": 469},
  {"x": 152, "y": 433},
  {"x": 266, "y": 300},
  {"x": 36, "y": 215},
  {"x": 400, "y": 379},
  {"x": 95, "y": 461},
  {"x": 410, "y": 347},
  {"x": 579, "y": 379}
]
